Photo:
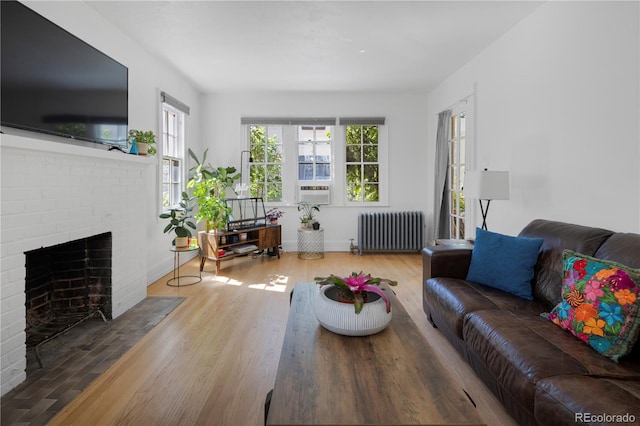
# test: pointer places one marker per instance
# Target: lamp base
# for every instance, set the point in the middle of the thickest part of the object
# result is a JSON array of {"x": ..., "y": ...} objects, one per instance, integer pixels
[{"x": 484, "y": 211}]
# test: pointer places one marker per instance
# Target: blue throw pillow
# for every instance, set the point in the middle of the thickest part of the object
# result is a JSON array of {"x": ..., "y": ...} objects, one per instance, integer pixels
[{"x": 504, "y": 262}]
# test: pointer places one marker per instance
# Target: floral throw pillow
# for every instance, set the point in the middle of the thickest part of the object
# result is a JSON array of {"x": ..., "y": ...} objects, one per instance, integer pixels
[{"x": 600, "y": 304}]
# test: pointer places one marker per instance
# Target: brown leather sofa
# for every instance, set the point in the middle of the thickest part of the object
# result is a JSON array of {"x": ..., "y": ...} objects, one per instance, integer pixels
[{"x": 540, "y": 372}]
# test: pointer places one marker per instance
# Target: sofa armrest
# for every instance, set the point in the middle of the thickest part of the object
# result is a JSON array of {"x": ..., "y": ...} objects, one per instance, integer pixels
[{"x": 445, "y": 261}]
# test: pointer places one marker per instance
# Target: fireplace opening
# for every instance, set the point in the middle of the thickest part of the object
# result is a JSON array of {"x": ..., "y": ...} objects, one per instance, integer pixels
[{"x": 65, "y": 285}]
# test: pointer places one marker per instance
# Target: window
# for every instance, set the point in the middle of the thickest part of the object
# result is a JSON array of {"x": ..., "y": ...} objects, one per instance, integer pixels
[
  {"x": 362, "y": 163},
  {"x": 173, "y": 150},
  {"x": 267, "y": 155},
  {"x": 172, "y": 158},
  {"x": 288, "y": 154},
  {"x": 457, "y": 148},
  {"x": 314, "y": 153}
]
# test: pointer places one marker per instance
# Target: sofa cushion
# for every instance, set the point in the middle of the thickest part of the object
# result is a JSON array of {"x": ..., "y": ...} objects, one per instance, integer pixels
[
  {"x": 570, "y": 400},
  {"x": 504, "y": 262},
  {"x": 513, "y": 354},
  {"x": 557, "y": 237},
  {"x": 600, "y": 304}
]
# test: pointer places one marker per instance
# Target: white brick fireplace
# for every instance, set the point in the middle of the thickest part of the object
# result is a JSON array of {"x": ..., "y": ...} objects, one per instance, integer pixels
[{"x": 53, "y": 193}]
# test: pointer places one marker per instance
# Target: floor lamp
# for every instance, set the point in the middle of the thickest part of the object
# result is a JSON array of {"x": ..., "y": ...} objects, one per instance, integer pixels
[{"x": 486, "y": 185}]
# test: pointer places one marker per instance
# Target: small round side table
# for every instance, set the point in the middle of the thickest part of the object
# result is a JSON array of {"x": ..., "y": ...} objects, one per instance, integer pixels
[
  {"x": 310, "y": 243},
  {"x": 192, "y": 279}
]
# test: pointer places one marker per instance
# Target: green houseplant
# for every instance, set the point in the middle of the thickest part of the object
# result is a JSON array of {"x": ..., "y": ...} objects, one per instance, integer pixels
[
  {"x": 209, "y": 186},
  {"x": 309, "y": 211},
  {"x": 145, "y": 141},
  {"x": 179, "y": 221}
]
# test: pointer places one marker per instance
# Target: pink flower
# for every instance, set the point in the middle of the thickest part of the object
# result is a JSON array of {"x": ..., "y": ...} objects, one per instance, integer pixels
[
  {"x": 593, "y": 290},
  {"x": 356, "y": 285}
]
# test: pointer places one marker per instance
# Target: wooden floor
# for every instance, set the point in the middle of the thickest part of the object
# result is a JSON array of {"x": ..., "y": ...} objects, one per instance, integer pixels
[{"x": 214, "y": 358}]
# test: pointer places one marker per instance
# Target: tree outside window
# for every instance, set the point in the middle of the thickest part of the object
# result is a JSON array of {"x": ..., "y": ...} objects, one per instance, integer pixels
[
  {"x": 265, "y": 145},
  {"x": 362, "y": 164}
]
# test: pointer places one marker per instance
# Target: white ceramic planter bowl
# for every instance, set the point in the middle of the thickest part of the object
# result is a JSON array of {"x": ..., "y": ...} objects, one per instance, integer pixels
[{"x": 341, "y": 318}]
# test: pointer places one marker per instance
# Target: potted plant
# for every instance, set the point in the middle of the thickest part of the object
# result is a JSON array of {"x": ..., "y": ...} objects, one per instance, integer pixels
[
  {"x": 145, "y": 141},
  {"x": 333, "y": 304},
  {"x": 210, "y": 190},
  {"x": 309, "y": 211},
  {"x": 179, "y": 222},
  {"x": 273, "y": 215}
]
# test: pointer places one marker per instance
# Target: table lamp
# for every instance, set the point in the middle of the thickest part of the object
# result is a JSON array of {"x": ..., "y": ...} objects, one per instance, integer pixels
[{"x": 486, "y": 185}]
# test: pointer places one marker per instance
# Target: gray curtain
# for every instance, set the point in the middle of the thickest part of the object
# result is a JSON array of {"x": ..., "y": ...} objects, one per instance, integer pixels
[{"x": 441, "y": 200}]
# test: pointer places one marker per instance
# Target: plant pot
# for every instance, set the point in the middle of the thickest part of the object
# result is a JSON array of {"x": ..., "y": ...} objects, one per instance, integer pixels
[
  {"x": 143, "y": 148},
  {"x": 182, "y": 242},
  {"x": 316, "y": 225},
  {"x": 341, "y": 318}
]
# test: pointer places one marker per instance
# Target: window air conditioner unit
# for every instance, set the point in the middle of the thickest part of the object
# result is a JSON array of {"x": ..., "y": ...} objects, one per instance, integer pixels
[{"x": 314, "y": 194}]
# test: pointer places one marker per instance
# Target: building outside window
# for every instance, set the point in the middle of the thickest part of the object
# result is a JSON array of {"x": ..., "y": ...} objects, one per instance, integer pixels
[
  {"x": 314, "y": 153},
  {"x": 288, "y": 155}
]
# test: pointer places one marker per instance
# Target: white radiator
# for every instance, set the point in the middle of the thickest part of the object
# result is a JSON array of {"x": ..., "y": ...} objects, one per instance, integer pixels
[{"x": 390, "y": 231}]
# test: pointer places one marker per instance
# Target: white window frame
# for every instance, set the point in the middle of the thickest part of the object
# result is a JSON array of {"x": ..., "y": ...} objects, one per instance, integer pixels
[
  {"x": 290, "y": 181},
  {"x": 383, "y": 176},
  {"x": 178, "y": 156}
]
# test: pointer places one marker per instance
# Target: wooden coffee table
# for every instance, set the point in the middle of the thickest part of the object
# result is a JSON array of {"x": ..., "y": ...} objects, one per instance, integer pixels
[{"x": 391, "y": 378}]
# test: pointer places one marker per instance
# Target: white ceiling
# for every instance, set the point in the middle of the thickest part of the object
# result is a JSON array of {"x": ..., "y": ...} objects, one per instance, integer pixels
[{"x": 315, "y": 45}]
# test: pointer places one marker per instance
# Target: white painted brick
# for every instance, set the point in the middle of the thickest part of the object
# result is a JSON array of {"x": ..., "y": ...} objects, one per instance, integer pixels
[{"x": 81, "y": 196}]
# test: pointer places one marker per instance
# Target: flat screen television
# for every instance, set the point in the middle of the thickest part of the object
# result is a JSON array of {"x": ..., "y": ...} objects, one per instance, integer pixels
[{"x": 53, "y": 82}]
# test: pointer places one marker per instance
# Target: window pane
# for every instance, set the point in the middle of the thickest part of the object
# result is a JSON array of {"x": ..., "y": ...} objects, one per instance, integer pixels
[
  {"x": 354, "y": 154},
  {"x": 371, "y": 173},
  {"x": 370, "y": 134},
  {"x": 274, "y": 191},
  {"x": 370, "y": 153},
  {"x": 323, "y": 172},
  {"x": 354, "y": 134},
  {"x": 323, "y": 152},
  {"x": 371, "y": 192},
  {"x": 305, "y": 171},
  {"x": 306, "y": 133},
  {"x": 274, "y": 151},
  {"x": 305, "y": 153},
  {"x": 354, "y": 187},
  {"x": 454, "y": 127}
]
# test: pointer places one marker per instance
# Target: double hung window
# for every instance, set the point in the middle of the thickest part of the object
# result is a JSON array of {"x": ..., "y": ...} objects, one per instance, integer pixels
[
  {"x": 288, "y": 155},
  {"x": 457, "y": 161},
  {"x": 362, "y": 164},
  {"x": 314, "y": 153},
  {"x": 267, "y": 161},
  {"x": 173, "y": 151}
]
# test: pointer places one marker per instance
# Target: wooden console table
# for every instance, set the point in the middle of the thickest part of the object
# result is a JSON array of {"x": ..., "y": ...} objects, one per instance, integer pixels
[
  {"x": 390, "y": 378},
  {"x": 263, "y": 237}
]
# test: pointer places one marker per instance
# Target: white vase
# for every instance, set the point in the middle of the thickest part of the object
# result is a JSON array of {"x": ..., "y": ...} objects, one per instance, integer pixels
[{"x": 341, "y": 318}]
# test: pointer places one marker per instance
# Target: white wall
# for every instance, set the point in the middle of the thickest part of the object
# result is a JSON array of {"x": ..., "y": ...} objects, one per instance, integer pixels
[
  {"x": 409, "y": 168},
  {"x": 557, "y": 104},
  {"x": 54, "y": 192},
  {"x": 147, "y": 77}
]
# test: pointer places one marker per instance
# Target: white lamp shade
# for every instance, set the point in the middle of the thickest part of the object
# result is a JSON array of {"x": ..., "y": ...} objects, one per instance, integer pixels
[{"x": 486, "y": 185}]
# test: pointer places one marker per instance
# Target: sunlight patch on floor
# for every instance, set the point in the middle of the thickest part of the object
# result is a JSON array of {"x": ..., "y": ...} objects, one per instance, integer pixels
[
  {"x": 228, "y": 281},
  {"x": 276, "y": 283}
]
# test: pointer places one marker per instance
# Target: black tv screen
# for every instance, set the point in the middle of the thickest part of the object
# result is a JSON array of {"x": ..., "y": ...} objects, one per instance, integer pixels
[{"x": 55, "y": 83}]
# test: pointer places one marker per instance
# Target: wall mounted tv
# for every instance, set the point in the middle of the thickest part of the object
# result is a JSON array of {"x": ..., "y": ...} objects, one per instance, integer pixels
[{"x": 53, "y": 82}]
